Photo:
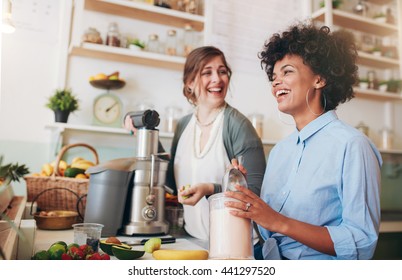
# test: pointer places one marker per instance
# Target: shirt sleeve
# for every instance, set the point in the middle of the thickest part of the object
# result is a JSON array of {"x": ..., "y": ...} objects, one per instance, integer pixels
[{"x": 356, "y": 237}]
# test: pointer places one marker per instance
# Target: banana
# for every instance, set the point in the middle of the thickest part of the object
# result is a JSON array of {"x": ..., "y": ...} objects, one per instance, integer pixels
[
  {"x": 180, "y": 255},
  {"x": 82, "y": 164},
  {"x": 76, "y": 159},
  {"x": 47, "y": 169},
  {"x": 62, "y": 164}
]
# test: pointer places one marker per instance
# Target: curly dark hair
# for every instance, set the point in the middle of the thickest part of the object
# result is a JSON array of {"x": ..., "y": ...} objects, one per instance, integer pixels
[
  {"x": 330, "y": 55},
  {"x": 195, "y": 62}
]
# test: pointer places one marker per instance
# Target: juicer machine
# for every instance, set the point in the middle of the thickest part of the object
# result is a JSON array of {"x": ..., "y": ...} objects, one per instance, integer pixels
[{"x": 127, "y": 195}]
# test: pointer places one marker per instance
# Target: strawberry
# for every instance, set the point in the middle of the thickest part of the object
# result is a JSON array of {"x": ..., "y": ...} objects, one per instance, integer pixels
[
  {"x": 76, "y": 253},
  {"x": 94, "y": 256},
  {"x": 66, "y": 256},
  {"x": 86, "y": 249},
  {"x": 105, "y": 257}
]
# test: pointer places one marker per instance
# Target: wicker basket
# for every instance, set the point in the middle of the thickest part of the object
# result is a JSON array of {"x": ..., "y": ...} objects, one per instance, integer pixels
[{"x": 72, "y": 199}]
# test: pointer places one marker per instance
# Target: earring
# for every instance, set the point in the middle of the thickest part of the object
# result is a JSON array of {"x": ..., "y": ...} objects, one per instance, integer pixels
[{"x": 308, "y": 105}]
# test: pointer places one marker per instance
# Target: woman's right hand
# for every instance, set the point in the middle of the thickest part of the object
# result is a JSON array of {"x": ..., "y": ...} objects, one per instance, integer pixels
[
  {"x": 191, "y": 195},
  {"x": 128, "y": 124}
]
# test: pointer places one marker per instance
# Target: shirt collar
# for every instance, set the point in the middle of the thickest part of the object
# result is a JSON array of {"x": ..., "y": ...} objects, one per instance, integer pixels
[{"x": 316, "y": 125}]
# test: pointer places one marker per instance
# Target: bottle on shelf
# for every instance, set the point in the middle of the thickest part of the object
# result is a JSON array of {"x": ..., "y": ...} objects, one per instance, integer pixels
[
  {"x": 113, "y": 37},
  {"x": 188, "y": 39},
  {"x": 171, "y": 42}
]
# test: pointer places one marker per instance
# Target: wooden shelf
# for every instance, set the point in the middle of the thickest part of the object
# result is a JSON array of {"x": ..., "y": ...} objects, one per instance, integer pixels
[
  {"x": 125, "y": 55},
  {"x": 146, "y": 12},
  {"x": 97, "y": 129},
  {"x": 380, "y": 2},
  {"x": 380, "y": 62},
  {"x": 357, "y": 22},
  {"x": 376, "y": 94}
]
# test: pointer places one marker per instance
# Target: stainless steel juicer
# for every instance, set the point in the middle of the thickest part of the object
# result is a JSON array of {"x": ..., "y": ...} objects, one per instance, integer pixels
[{"x": 127, "y": 195}]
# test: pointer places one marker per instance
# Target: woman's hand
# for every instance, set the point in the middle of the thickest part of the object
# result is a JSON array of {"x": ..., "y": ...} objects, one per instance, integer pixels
[
  {"x": 128, "y": 124},
  {"x": 252, "y": 207},
  {"x": 238, "y": 165},
  {"x": 190, "y": 196}
]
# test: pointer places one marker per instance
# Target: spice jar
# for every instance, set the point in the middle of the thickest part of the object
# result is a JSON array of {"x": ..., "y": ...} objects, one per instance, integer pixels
[
  {"x": 188, "y": 39},
  {"x": 113, "y": 35},
  {"x": 153, "y": 43},
  {"x": 171, "y": 42},
  {"x": 92, "y": 35}
]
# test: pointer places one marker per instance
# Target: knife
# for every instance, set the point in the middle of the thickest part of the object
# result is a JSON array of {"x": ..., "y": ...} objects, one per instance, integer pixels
[{"x": 165, "y": 240}]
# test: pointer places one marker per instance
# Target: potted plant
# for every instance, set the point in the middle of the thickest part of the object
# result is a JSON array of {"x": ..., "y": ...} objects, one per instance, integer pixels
[
  {"x": 380, "y": 17},
  {"x": 394, "y": 85},
  {"x": 136, "y": 44},
  {"x": 62, "y": 103},
  {"x": 382, "y": 86},
  {"x": 335, "y": 4},
  {"x": 363, "y": 83},
  {"x": 8, "y": 174}
]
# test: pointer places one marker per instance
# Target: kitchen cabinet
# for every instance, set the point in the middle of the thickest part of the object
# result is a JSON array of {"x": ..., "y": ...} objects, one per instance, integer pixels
[
  {"x": 131, "y": 10},
  {"x": 385, "y": 67}
]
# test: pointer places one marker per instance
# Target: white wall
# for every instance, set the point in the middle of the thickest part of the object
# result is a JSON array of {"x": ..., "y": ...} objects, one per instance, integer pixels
[{"x": 31, "y": 60}]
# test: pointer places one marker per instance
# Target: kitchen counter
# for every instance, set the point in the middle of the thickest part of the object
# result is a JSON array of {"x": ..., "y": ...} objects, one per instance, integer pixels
[{"x": 45, "y": 238}]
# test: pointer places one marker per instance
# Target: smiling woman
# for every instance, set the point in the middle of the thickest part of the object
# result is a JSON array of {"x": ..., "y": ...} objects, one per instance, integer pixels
[
  {"x": 206, "y": 140},
  {"x": 324, "y": 160}
]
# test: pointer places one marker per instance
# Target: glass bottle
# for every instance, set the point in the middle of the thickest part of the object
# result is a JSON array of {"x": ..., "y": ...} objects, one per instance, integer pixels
[
  {"x": 113, "y": 35},
  {"x": 188, "y": 39},
  {"x": 153, "y": 43},
  {"x": 171, "y": 42}
]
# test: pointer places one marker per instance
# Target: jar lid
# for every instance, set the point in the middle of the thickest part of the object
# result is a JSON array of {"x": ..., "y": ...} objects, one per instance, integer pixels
[
  {"x": 153, "y": 37},
  {"x": 171, "y": 32},
  {"x": 188, "y": 27}
]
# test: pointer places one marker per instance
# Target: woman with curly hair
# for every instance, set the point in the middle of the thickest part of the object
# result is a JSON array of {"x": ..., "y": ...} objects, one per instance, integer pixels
[{"x": 320, "y": 197}]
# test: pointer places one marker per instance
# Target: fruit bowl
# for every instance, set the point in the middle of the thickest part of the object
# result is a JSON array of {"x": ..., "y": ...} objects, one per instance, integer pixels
[
  {"x": 60, "y": 220},
  {"x": 108, "y": 84}
]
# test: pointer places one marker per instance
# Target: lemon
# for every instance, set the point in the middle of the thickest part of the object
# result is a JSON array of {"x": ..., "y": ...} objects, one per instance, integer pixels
[
  {"x": 126, "y": 254},
  {"x": 107, "y": 247},
  {"x": 152, "y": 245}
]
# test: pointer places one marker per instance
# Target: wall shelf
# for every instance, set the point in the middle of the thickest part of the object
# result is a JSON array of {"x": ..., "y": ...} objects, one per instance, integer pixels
[
  {"x": 357, "y": 22},
  {"x": 376, "y": 94},
  {"x": 380, "y": 62},
  {"x": 125, "y": 55},
  {"x": 146, "y": 12}
]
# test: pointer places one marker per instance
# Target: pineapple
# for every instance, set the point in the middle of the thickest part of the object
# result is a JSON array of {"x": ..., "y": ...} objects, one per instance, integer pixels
[{"x": 11, "y": 172}]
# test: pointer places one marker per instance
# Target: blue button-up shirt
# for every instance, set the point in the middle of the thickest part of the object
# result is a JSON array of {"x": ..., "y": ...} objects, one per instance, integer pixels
[{"x": 327, "y": 174}]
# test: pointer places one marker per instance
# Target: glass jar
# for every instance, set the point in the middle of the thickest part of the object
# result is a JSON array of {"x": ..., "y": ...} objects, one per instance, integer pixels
[
  {"x": 171, "y": 42},
  {"x": 257, "y": 120},
  {"x": 153, "y": 43},
  {"x": 188, "y": 39},
  {"x": 191, "y": 6},
  {"x": 113, "y": 35},
  {"x": 172, "y": 116},
  {"x": 92, "y": 35}
]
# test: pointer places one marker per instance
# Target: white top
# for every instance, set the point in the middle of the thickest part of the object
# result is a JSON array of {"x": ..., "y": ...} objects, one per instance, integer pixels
[{"x": 192, "y": 166}]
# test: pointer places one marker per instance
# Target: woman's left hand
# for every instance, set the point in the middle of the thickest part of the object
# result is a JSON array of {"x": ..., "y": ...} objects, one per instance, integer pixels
[{"x": 252, "y": 207}]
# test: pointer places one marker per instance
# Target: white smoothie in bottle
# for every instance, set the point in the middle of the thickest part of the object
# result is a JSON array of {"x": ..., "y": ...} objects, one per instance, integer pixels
[{"x": 230, "y": 237}]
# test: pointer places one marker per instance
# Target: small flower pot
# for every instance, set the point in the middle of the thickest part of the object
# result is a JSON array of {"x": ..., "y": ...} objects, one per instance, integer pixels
[{"x": 61, "y": 116}]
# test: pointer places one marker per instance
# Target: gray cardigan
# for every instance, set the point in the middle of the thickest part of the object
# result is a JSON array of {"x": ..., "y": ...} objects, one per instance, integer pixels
[{"x": 240, "y": 138}]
